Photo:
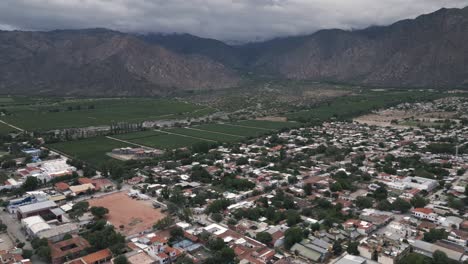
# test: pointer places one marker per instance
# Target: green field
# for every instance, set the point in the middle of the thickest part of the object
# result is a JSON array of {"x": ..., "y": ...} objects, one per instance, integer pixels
[
  {"x": 137, "y": 135},
  {"x": 166, "y": 141},
  {"x": 95, "y": 112},
  {"x": 351, "y": 106},
  {"x": 4, "y": 129},
  {"x": 208, "y": 135},
  {"x": 234, "y": 130},
  {"x": 91, "y": 150},
  {"x": 273, "y": 125}
]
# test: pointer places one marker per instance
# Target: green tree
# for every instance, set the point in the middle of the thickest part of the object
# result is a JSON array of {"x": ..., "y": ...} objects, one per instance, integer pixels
[
  {"x": 337, "y": 248},
  {"x": 415, "y": 258},
  {"x": 401, "y": 205},
  {"x": 439, "y": 257},
  {"x": 353, "y": 248},
  {"x": 184, "y": 259},
  {"x": 292, "y": 236},
  {"x": 364, "y": 202},
  {"x": 435, "y": 234},
  {"x": 384, "y": 205},
  {"x": 79, "y": 209},
  {"x": 217, "y": 217},
  {"x": 264, "y": 237},
  {"x": 177, "y": 233},
  {"x": 418, "y": 201},
  {"x": 121, "y": 259},
  {"x": 381, "y": 193},
  {"x": 293, "y": 217},
  {"x": 308, "y": 188},
  {"x": 163, "y": 223},
  {"x": 99, "y": 212},
  {"x": 31, "y": 184}
]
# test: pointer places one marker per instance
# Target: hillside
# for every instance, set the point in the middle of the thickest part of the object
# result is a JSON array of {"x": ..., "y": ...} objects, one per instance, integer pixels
[
  {"x": 429, "y": 51},
  {"x": 101, "y": 62}
]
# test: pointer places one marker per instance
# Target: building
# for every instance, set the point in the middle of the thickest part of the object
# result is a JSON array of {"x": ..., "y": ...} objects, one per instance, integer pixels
[
  {"x": 40, "y": 208},
  {"x": 383, "y": 250},
  {"x": 420, "y": 183},
  {"x": 67, "y": 249},
  {"x": 99, "y": 257},
  {"x": 350, "y": 259},
  {"x": 313, "y": 249},
  {"x": 29, "y": 198},
  {"x": 33, "y": 225},
  {"x": 13, "y": 256},
  {"x": 82, "y": 189},
  {"x": 424, "y": 214},
  {"x": 428, "y": 249}
]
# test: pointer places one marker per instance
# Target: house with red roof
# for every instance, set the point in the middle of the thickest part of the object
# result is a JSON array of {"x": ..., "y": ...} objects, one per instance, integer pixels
[{"x": 424, "y": 213}]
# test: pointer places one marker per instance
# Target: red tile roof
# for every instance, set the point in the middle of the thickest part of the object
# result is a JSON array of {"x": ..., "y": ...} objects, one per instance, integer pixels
[
  {"x": 100, "y": 255},
  {"x": 61, "y": 186},
  {"x": 423, "y": 210}
]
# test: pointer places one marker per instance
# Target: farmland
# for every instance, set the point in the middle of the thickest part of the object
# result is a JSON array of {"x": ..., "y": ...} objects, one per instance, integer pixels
[
  {"x": 350, "y": 106},
  {"x": 91, "y": 150},
  {"x": 165, "y": 141},
  {"x": 5, "y": 129},
  {"x": 74, "y": 113}
]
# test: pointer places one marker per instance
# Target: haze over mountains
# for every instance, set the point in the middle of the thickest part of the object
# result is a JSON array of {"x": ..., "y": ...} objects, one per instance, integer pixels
[{"x": 429, "y": 51}]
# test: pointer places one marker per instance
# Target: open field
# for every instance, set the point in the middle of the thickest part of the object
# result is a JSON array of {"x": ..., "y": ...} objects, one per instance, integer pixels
[
  {"x": 95, "y": 112},
  {"x": 351, "y": 106},
  {"x": 166, "y": 141},
  {"x": 266, "y": 124},
  {"x": 134, "y": 215},
  {"x": 234, "y": 129},
  {"x": 5, "y": 129},
  {"x": 204, "y": 134},
  {"x": 91, "y": 150}
]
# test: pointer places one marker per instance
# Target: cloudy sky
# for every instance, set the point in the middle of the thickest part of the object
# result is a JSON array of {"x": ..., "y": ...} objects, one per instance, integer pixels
[{"x": 231, "y": 20}]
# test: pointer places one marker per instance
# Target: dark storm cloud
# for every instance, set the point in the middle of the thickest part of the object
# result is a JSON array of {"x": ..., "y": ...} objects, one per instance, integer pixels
[{"x": 239, "y": 20}]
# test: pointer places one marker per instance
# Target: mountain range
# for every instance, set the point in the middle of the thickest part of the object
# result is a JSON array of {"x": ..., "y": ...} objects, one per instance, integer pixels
[{"x": 429, "y": 51}]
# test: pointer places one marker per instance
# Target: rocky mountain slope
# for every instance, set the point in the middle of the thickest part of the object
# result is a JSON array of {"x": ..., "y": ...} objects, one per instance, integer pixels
[
  {"x": 101, "y": 62},
  {"x": 429, "y": 51}
]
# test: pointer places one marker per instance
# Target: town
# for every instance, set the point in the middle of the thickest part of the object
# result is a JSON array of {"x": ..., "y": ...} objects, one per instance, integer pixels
[{"x": 385, "y": 188}]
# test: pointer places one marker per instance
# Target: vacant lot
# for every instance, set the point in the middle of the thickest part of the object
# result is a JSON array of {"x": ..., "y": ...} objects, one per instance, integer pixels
[
  {"x": 91, "y": 150},
  {"x": 95, "y": 112},
  {"x": 134, "y": 215}
]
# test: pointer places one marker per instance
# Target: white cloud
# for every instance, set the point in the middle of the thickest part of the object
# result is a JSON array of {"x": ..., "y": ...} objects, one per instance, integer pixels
[{"x": 222, "y": 19}]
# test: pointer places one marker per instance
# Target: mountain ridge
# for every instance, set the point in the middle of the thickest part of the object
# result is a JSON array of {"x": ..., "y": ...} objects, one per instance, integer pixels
[{"x": 428, "y": 51}]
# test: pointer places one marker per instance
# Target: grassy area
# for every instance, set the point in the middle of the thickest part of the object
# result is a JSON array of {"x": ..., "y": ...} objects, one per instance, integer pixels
[
  {"x": 94, "y": 112},
  {"x": 267, "y": 124},
  {"x": 351, "y": 106},
  {"x": 166, "y": 141},
  {"x": 205, "y": 134},
  {"x": 91, "y": 150},
  {"x": 234, "y": 130},
  {"x": 4, "y": 129},
  {"x": 136, "y": 135}
]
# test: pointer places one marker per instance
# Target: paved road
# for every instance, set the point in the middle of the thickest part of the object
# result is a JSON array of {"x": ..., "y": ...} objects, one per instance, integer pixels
[{"x": 14, "y": 228}]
